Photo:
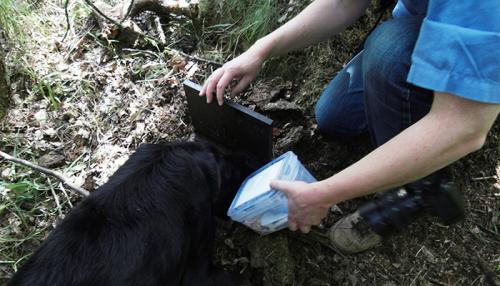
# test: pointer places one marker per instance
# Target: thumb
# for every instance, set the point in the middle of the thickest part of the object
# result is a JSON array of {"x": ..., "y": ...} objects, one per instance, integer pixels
[{"x": 282, "y": 186}]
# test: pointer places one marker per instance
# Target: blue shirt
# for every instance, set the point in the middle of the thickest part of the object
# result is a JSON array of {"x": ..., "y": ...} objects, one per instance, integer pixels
[{"x": 458, "y": 47}]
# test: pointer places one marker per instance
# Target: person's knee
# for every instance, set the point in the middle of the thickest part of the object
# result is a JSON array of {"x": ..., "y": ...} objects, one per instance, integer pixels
[
  {"x": 387, "y": 53},
  {"x": 340, "y": 119},
  {"x": 328, "y": 107},
  {"x": 319, "y": 111}
]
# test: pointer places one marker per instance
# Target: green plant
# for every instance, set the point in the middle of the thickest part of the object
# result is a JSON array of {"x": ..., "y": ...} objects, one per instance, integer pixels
[
  {"x": 27, "y": 213},
  {"x": 9, "y": 13},
  {"x": 238, "y": 24},
  {"x": 46, "y": 91}
]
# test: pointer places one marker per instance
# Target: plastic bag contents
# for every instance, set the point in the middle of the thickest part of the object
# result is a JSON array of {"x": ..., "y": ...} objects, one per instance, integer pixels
[{"x": 260, "y": 207}]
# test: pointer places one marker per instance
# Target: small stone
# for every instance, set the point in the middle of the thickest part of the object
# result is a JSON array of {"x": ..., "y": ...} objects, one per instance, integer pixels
[
  {"x": 6, "y": 173},
  {"x": 51, "y": 132},
  {"x": 475, "y": 230},
  {"x": 41, "y": 116},
  {"x": 51, "y": 160}
]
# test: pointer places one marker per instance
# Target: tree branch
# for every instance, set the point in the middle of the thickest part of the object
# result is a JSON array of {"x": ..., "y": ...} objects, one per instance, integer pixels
[
  {"x": 46, "y": 171},
  {"x": 195, "y": 58},
  {"x": 100, "y": 13},
  {"x": 68, "y": 24},
  {"x": 129, "y": 9}
]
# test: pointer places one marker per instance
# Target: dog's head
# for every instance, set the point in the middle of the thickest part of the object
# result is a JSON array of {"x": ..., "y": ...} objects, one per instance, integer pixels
[
  {"x": 233, "y": 167},
  {"x": 193, "y": 164}
]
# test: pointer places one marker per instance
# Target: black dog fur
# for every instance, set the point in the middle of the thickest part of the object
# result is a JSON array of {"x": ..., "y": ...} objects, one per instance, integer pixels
[{"x": 152, "y": 224}]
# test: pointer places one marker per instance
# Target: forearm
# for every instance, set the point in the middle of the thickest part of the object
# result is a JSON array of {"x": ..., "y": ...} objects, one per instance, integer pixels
[
  {"x": 445, "y": 135},
  {"x": 319, "y": 21}
]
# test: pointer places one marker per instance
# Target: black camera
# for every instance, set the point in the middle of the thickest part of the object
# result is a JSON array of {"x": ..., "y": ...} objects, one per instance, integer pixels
[{"x": 435, "y": 194}]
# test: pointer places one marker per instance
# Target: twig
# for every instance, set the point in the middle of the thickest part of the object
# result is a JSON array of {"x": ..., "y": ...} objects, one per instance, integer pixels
[
  {"x": 77, "y": 43},
  {"x": 56, "y": 199},
  {"x": 68, "y": 24},
  {"x": 137, "y": 51},
  {"x": 46, "y": 171},
  {"x": 416, "y": 277},
  {"x": 161, "y": 33},
  {"x": 102, "y": 14},
  {"x": 434, "y": 281},
  {"x": 495, "y": 235},
  {"x": 61, "y": 186},
  {"x": 129, "y": 9},
  {"x": 484, "y": 178},
  {"x": 170, "y": 50}
]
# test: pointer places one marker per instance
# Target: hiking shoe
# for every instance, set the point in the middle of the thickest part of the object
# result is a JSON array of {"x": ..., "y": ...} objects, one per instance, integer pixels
[{"x": 353, "y": 234}]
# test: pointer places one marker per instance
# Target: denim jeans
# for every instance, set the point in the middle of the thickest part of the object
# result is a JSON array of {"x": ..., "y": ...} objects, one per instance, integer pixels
[{"x": 371, "y": 93}]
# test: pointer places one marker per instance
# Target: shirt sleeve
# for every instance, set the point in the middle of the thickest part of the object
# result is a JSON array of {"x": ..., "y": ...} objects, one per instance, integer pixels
[{"x": 458, "y": 49}]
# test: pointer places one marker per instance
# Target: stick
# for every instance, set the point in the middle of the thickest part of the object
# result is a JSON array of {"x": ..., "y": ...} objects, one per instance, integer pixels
[
  {"x": 68, "y": 24},
  {"x": 484, "y": 178},
  {"x": 161, "y": 34},
  {"x": 56, "y": 199},
  {"x": 61, "y": 186},
  {"x": 46, "y": 171},
  {"x": 129, "y": 9},
  {"x": 170, "y": 50},
  {"x": 195, "y": 58},
  {"x": 102, "y": 14}
]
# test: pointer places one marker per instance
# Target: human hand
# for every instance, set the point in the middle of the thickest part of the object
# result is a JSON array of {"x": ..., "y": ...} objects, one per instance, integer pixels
[
  {"x": 243, "y": 68},
  {"x": 304, "y": 205}
]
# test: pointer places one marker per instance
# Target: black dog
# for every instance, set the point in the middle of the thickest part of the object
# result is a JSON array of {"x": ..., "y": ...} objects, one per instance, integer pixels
[{"x": 151, "y": 224}]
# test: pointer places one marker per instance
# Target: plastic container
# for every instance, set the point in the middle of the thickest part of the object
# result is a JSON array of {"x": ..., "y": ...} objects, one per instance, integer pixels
[{"x": 260, "y": 207}]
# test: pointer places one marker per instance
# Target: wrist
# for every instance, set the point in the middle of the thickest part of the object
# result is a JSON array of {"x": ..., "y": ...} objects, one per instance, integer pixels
[
  {"x": 324, "y": 194},
  {"x": 263, "y": 48}
]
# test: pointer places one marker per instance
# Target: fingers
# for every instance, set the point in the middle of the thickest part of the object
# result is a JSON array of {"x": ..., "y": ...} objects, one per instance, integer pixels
[
  {"x": 293, "y": 226},
  {"x": 218, "y": 82},
  {"x": 242, "y": 84},
  {"x": 305, "y": 228},
  {"x": 221, "y": 86},
  {"x": 210, "y": 84},
  {"x": 203, "y": 89}
]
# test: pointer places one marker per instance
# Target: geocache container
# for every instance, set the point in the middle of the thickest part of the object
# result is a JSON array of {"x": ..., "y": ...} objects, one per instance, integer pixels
[{"x": 260, "y": 207}]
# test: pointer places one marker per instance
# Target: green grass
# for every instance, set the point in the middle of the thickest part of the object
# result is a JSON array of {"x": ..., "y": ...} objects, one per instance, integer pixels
[
  {"x": 235, "y": 24},
  {"x": 27, "y": 211},
  {"x": 10, "y": 12}
]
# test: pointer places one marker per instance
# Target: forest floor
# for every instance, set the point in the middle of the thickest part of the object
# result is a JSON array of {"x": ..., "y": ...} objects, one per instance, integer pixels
[{"x": 83, "y": 105}]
